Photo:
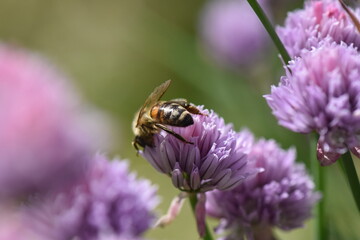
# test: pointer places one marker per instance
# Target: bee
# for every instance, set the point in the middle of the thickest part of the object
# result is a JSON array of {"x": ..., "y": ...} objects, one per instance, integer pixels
[{"x": 154, "y": 115}]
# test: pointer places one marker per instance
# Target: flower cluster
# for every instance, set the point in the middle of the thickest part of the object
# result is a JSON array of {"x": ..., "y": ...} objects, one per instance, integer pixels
[
  {"x": 281, "y": 196},
  {"x": 109, "y": 202},
  {"x": 227, "y": 38},
  {"x": 59, "y": 189},
  {"x": 216, "y": 159},
  {"x": 322, "y": 94},
  {"x": 307, "y": 27},
  {"x": 47, "y": 146}
]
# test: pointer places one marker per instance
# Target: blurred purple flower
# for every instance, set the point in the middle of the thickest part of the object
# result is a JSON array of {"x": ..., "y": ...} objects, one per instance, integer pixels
[
  {"x": 282, "y": 196},
  {"x": 44, "y": 142},
  {"x": 13, "y": 225},
  {"x": 232, "y": 33},
  {"x": 322, "y": 94},
  {"x": 306, "y": 28},
  {"x": 216, "y": 160},
  {"x": 115, "y": 237},
  {"x": 109, "y": 202}
]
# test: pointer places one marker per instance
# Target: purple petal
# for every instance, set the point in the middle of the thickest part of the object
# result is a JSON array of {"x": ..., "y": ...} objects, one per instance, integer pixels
[
  {"x": 233, "y": 182},
  {"x": 222, "y": 177},
  {"x": 154, "y": 161},
  {"x": 195, "y": 179},
  {"x": 209, "y": 166},
  {"x": 165, "y": 153},
  {"x": 177, "y": 177}
]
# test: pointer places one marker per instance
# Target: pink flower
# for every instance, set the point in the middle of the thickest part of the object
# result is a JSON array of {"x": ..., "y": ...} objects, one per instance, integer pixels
[
  {"x": 13, "y": 226},
  {"x": 44, "y": 142},
  {"x": 321, "y": 93},
  {"x": 306, "y": 28}
]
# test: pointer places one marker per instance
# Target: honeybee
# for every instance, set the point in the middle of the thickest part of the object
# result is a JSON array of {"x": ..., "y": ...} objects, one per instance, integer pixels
[{"x": 154, "y": 115}]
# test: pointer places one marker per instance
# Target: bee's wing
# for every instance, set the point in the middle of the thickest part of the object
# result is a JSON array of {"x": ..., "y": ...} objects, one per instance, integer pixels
[
  {"x": 157, "y": 93},
  {"x": 154, "y": 97}
]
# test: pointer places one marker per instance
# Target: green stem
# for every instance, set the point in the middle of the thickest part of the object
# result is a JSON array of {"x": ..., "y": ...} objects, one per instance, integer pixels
[
  {"x": 269, "y": 28},
  {"x": 319, "y": 179},
  {"x": 193, "y": 202},
  {"x": 349, "y": 170}
]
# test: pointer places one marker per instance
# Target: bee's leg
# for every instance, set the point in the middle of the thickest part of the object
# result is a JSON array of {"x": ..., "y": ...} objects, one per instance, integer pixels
[
  {"x": 194, "y": 110},
  {"x": 188, "y": 106},
  {"x": 172, "y": 133},
  {"x": 135, "y": 145}
]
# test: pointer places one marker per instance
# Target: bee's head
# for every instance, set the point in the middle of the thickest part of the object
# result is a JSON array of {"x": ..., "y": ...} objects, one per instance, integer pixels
[{"x": 143, "y": 141}]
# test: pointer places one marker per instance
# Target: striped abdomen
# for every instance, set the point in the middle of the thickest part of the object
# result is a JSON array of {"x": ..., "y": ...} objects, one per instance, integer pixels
[{"x": 172, "y": 114}]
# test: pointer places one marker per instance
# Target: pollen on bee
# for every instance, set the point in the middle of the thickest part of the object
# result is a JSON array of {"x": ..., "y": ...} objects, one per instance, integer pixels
[{"x": 154, "y": 112}]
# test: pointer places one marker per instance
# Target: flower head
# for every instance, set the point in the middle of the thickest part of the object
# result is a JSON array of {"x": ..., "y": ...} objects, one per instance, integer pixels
[
  {"x": 282, "y": 196},
  {"x": 43, "y": 141},
  {"x": 322, "y": 94},
  {"x": 215, "y": 160},
  {"x": 229, "y": 39},
  {"x": 108, "y": 202},
  {"x": 307, "y": 27}
]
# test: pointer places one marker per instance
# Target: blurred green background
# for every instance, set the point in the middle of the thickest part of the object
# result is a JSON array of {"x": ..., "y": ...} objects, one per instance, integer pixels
[{"x": 118, "y": 51}]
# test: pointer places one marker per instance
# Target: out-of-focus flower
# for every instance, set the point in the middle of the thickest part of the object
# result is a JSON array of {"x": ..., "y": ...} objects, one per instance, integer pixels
[
  {"x": 232, "y": 33},
  {"x": 109, "y": 202},
  {"x": 307, "y": 27},
  {"x": 282, "y": 196},
  {"x": 43, "y": 141},
  {"x": 215, "y": 160},
  {"x": 115, "y": 237},
  {"x": 322, "y": 94},
  {"x": 13, "y": 226}
]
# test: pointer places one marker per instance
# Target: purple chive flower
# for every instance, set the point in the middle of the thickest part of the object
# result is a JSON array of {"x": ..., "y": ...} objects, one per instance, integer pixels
[
  {"x": 44, "y": 140},
  {"x": 281, "y": 196},
  {"x": 232, "y": 33},
  {"x": 322, "y": 94},
  {"x": 109, "y": 202},
  {"x": 306, "y": 28},
  {"x": 215, "y": 160}
]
